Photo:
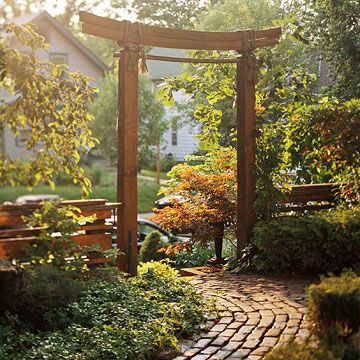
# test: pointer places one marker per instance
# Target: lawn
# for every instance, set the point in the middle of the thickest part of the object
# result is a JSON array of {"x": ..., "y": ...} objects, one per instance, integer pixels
[
  {"x": 152, "y": 174},
  {"x": 147, "y": 193}
]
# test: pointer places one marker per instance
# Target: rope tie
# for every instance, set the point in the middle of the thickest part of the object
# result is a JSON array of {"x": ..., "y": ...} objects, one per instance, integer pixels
[
  {"x": 136, "y": 50},
  {"x": 249, "y": 56}
]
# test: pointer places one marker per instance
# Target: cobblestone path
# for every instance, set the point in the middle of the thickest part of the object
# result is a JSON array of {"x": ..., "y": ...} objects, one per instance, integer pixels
[{"x": 256, "y": 314}]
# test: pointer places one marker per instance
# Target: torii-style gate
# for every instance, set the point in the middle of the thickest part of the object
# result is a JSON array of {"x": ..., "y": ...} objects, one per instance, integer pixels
[{"x": 131, "y": 37}]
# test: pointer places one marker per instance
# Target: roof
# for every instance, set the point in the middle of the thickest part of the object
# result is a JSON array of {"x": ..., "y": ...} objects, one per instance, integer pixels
[{"x": 34, "y": 18}]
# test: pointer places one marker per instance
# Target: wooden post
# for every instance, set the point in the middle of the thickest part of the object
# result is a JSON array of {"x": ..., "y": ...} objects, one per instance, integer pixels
[
  {"x": 158, "y": 163},
  {"x": 245, "y": 124},
  {"x": 127, "y": 162}
]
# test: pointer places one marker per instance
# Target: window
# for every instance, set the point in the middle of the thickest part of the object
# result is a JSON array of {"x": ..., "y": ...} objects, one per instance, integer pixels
[
  {"x": 59, "y": 58},
  {"x": 174, "y": 134},
  {"x": 22, "y": 137}
]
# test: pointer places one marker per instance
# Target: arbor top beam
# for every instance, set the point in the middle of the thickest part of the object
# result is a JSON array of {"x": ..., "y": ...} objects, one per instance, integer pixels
[{"x": 137, "y": 33}]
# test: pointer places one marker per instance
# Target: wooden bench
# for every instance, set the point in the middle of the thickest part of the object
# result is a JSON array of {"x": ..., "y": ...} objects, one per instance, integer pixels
[
  {"x": 15, "y": 235},
  {"x": 310, "y": 197}
]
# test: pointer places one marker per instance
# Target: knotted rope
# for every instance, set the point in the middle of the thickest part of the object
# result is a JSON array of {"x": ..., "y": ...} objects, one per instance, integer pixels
[
  {"x": 136, "y": 50},
  {"x": 249, "y": 55}
]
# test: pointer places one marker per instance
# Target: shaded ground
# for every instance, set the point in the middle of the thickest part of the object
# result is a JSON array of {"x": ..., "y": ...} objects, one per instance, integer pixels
[{"x": 256, "y": 314}]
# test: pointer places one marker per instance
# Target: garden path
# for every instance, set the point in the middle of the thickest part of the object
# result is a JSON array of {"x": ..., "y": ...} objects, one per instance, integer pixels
[{"x": 256, "y": 314}]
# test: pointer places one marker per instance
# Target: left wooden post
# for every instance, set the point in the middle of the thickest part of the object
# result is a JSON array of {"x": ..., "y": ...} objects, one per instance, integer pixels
[{"x": 127, "y": 162}]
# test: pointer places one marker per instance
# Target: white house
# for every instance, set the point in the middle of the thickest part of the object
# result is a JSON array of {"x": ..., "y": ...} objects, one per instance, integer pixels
[
  {"x": 180, "y": 139},
  {"x": 64, "y": 49}
]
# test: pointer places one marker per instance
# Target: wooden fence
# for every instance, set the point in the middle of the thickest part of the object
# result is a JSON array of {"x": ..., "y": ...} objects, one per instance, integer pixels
[{"x": 14, "y": 234}]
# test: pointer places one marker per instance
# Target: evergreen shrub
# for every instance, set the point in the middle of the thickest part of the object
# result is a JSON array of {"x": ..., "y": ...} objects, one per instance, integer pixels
[
  {"x": 150, "y": 246},
  {"x": 335, "y": 303},
  {"x": 321, "y": 242}
]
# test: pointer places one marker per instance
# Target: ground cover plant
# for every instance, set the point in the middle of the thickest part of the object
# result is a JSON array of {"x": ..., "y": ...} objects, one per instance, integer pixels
[{"x": 104, "y": 317}]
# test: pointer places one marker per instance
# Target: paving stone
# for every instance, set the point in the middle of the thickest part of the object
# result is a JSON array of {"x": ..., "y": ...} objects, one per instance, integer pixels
[
  {"x": 246, "y": 329},
  {"x": 210, "y": 350},
  {"x": 191, "y": 351},
  {"x": 226, "y": 320},
  {"x": 219, "y": 327},
  {"x": 211, "y": 334},
  {"x": 269, "y": 341},
  {"x": 262, "y": 350},
  {"x": 232, "y": 345},
  {"x": 202, "y": 343},
  {"x": 251, "y": 344},
  {"x": 220, "y": 341},
  {"x": 200, "y": 357},
  {"x": 252, "y": 321},
  {"x": 220, "y": 355},
  {"x": 235, "y": 325},
  {"x": 228, "y": 333},
  {"x": 254, "y": 357},
  {"x": 273, "y": 332},
  {"x": 256, "y": 334},
  {"x": 240, "y": 354},
  {"x": 239, "y": 337}
]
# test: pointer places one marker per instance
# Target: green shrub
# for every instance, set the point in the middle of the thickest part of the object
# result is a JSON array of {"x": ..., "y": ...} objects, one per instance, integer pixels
[
  {"x": 94, "y": 174},
  {"x": 335, "y": 302},
  {"x": 63, "y": 179},
  {"x": 328, "y": 347},
  {"x": 138, "y": 318},
  {"x": 322, "y": 242},
  {"x": 150, "y": 246},
  {"x": 168, "y": 162},
  {"x": 296, "y": 351},
  {"x": 47, "y": 291}
]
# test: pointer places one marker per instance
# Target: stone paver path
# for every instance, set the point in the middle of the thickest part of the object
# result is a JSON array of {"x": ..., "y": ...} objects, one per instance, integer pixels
[{"x": 256, "y": 314}]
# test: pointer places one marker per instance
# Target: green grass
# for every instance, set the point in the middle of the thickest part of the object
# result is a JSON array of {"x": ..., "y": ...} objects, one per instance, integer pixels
[
  {"x": 147, "y": 193},
  {"x": 152, "y": 174}
]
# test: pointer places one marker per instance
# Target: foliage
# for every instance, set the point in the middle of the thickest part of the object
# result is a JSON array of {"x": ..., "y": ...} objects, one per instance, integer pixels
[
  {"x": 209, "y": 195},
  {"x": 150, "y": 246},
  {"x": 168, "y": 162},
  {"x": 323, "y": 143},
  {"x": 297, "y": 351},
  {"x": 312, "y": 243},
  {"x": 169, "y": 13},
  {"x": 49, "y": 105},
  {"x": 335, "y": 303},
  {"x": 46, "y": 292},
  {"x": 198, "y": 255},
  {"x": 326, "y": 350},
  {"x": 60, "y": 251},
  {"x": 139, "y": 318},
  {"x": 334, "y": 28},
  {"x": 232, "y": 15},
  {"x": 283, "y": 86},
  {"x": 151, "y": 125}
]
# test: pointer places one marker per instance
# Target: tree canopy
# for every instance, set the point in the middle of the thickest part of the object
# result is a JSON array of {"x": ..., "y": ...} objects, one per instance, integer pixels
[
  {"x": 334, "y": 28},
  {"x": 151, "y": 124},
  {"x": 49, "y": 104}
]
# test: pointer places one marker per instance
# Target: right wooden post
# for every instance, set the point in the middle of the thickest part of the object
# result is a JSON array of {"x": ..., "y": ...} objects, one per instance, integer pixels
[{"x": 245, "y": 125}]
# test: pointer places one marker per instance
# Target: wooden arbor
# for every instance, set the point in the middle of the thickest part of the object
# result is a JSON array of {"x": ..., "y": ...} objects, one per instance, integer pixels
[{"x": 131, "y": 37}]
